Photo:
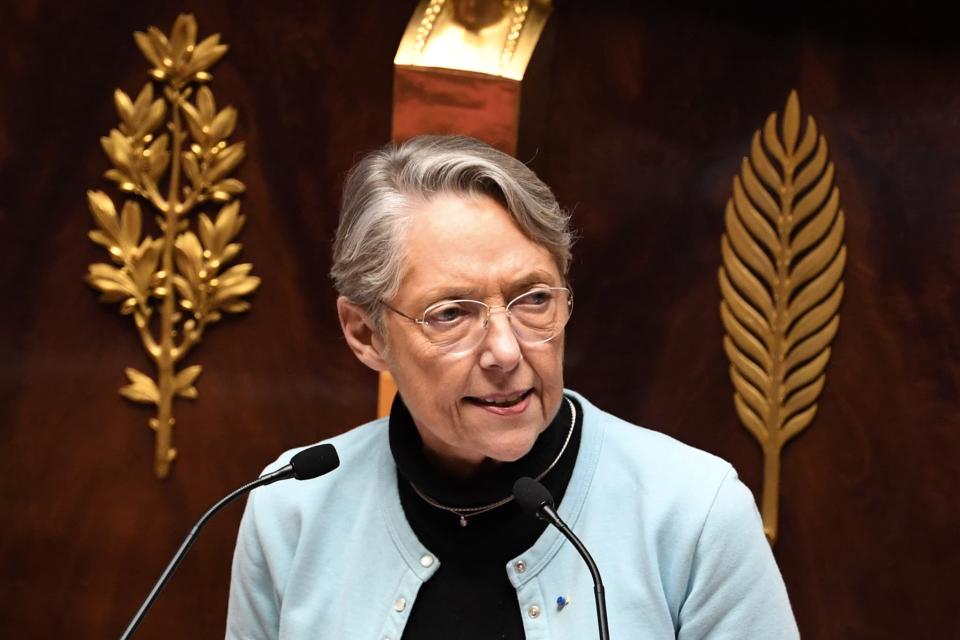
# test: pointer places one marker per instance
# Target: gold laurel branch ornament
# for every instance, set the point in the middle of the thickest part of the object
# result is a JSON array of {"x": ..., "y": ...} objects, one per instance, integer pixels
[
  {"x": 783, "y": 257},
  {"x": 176, "y": 284}
]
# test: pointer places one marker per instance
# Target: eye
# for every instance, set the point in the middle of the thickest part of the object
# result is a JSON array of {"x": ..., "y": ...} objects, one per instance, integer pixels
[
  {"x": 535, "y": 298},
  {"x": 448, "y": 313}
]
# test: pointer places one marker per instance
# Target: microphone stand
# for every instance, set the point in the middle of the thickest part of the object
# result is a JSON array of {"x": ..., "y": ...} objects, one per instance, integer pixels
[
  {"x": 280, "y": 474},
  {"x": 550, "y": 514},
  {"x": 534, "y": 498}
]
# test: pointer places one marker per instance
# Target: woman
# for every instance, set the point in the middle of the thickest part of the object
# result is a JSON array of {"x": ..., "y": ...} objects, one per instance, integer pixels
[{"x": 451, "y": 261}]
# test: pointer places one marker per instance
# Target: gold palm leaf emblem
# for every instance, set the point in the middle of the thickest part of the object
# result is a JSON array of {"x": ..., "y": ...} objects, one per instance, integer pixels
[{"x": 783, "y": 257}]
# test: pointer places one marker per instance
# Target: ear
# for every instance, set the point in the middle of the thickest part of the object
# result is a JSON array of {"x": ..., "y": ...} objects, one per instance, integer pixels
[{"x": 362, "y": 338}]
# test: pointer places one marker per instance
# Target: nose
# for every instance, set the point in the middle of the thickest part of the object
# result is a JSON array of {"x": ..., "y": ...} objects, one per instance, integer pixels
[{"x": 500, "y": 348}]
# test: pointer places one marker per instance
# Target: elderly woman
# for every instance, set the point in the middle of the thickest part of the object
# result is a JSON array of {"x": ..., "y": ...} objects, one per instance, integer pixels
[{"x": 451, "y": 261}]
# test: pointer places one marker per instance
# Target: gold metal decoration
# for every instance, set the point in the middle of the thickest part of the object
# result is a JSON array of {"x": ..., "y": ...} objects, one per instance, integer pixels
[
  {"x": 783, "y": 257},
  {"x": 175, "y": 285},
  {"x": 493, "y": 37}
]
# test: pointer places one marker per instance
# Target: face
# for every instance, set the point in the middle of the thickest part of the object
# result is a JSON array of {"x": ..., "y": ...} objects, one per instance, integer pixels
[{"x": 460, "y": 248}]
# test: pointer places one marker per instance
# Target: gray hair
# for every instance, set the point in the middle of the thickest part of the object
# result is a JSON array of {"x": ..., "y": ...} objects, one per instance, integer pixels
[{"x": 382, "y": 189}]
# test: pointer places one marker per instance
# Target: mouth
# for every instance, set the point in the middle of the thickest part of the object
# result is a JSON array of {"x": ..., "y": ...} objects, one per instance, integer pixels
[{"x": 500, "y": 400}]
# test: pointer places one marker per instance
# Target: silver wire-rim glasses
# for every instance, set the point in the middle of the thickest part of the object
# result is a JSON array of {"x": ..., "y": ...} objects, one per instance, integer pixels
[{"x": 458, "y": 326}]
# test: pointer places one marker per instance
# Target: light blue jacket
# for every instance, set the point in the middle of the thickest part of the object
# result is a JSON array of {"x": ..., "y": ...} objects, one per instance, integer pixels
[{"x": 676, "y": 536}]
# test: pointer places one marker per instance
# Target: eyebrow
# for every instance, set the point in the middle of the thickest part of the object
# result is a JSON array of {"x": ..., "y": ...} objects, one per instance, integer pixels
[
  {"x": 527, "y": 280},
  {"x": 537, "y": 276}
]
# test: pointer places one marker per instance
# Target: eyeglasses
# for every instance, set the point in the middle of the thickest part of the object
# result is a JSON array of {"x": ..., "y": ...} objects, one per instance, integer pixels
[{"x": 457, "y": 326}]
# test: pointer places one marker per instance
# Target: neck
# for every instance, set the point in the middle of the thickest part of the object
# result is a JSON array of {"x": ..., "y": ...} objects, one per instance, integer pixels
[{"x": 461, "y": 467}]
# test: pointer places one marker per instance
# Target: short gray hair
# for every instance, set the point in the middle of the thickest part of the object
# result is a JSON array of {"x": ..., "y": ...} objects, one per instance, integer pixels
[{"x": 382, "y": 189}]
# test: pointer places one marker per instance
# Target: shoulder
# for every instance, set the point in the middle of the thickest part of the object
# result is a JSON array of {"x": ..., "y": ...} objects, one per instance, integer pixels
[
  {"x": 353, "y": 445},
  {"x": 299, "y": 502},
  {"x": 667, "y": 490},
  {"x": 653, "y": 462}
]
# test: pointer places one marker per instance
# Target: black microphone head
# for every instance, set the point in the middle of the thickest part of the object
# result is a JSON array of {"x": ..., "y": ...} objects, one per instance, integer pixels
[
  {"x": 531, "y": 496},
  {"x": 315, "y": 461}
]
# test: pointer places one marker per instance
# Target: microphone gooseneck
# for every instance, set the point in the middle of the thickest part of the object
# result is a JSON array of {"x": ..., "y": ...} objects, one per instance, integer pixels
[
  {"x": 309, "y": 463},
  {"x": 536, "y": 501}
]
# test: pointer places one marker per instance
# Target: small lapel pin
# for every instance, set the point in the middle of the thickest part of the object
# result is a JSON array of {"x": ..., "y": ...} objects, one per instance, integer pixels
[{"x": 562, "y": 601}]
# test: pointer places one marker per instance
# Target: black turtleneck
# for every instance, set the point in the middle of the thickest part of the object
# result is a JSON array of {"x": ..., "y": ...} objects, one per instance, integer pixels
[{"x": 470, "y": 596}]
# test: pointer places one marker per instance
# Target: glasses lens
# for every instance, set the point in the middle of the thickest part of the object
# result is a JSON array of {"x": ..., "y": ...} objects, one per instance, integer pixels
[
  {"x": 455, "y": 325},
  {"x": 539, "y": 315}
]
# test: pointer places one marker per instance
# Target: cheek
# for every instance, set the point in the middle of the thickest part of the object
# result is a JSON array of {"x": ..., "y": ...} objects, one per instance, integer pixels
[
  {"x": 548, "y": 365},
  {"x": 407, "y": 350},
  {"x": 439, "y": 382}
]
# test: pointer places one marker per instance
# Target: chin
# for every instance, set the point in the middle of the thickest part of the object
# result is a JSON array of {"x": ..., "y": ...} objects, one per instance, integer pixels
[{"x": 513, "y": 451}]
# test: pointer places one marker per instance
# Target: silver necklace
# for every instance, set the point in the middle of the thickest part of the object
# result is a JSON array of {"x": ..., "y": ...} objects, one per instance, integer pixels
[{"x": 468, "y": 512}]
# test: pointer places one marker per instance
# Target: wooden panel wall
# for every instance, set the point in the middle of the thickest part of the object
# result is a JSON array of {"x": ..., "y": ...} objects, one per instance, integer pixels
[{"x": 648, "y": 112}]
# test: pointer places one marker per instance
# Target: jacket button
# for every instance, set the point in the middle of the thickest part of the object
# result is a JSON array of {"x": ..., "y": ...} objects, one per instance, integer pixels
[
  {"x": 400, "y": 604},
  {"x": 520, "y": 566},
  {"x": 426, "y": 561},
  {"x": 534, "y": 611}
]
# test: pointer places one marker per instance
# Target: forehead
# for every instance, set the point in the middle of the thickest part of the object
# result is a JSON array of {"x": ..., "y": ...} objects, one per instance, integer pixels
[{"x": 472, "y": 246}]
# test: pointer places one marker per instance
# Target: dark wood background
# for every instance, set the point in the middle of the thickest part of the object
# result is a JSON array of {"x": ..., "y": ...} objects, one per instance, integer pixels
[{"x": 648, "y": 112}]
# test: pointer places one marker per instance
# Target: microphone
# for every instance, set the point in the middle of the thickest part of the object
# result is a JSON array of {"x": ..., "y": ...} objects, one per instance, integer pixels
[
  {"x": 536, "y": 500},
  {"x": 305, "y": 465},
  {"x": 309, "y": 463}
]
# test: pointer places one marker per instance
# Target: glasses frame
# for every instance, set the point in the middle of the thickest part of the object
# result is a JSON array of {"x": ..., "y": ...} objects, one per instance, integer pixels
[{"x": 486, "y": 318}]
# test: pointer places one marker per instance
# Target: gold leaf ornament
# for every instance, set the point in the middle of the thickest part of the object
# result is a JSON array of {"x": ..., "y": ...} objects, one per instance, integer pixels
[
  {"x": 178, "y": 60},
  {"x": 210, "y": 158},
  {"x": 183, "y": 383},
  {"x": 177, "y": 284},
  {"x": 141, "y": 389},
  {"x": 783, "y": 258}
]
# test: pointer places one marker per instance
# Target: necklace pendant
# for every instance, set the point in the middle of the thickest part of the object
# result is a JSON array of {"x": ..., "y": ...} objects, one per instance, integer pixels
[{"x": 463, "y": 521}]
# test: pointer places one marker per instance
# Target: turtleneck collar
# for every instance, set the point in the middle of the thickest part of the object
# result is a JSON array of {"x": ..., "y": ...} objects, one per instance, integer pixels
[{"x": 488, "y": 485}]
